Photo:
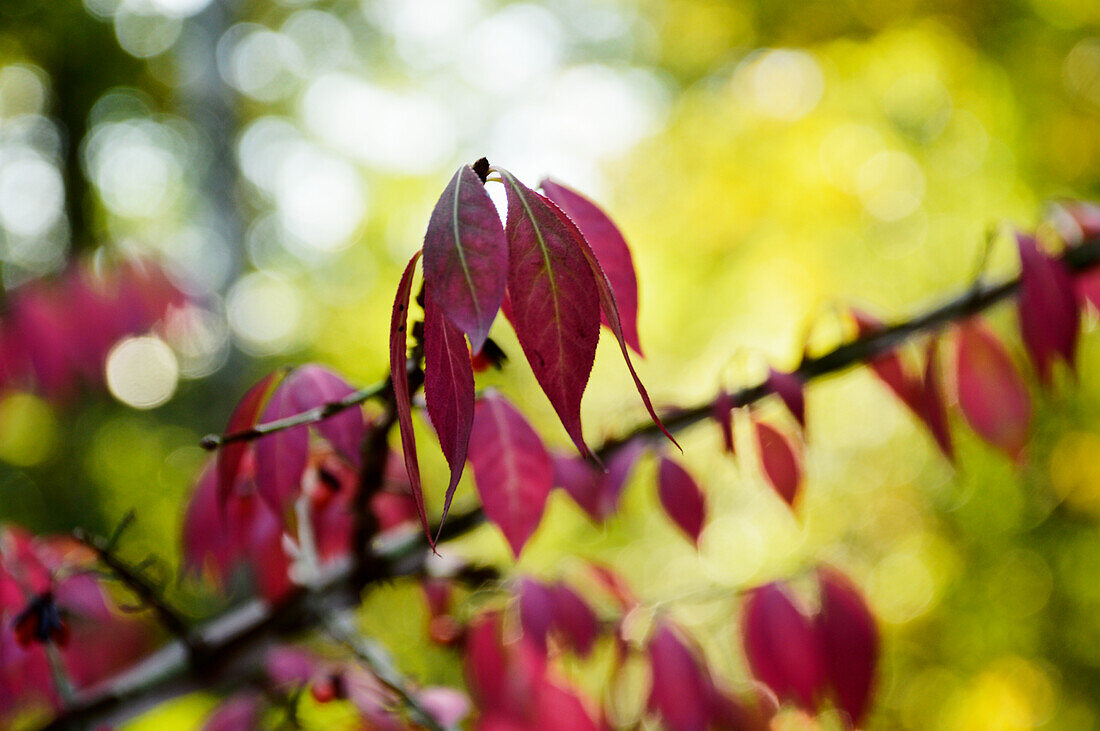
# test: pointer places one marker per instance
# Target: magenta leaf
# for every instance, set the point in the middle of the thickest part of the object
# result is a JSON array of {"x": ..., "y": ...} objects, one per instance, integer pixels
[
  {"x": 281, "y": 457},
  {"x": 536, "y": 611},
  {"x": 611, "y": 252},
  {"x": 554, "y": 305},
  {"x": 596, "y": 491},
  {"x": 992, "y": 394},
  {"x": 722, "y": 412},
  {"x": 448, "y": 392},
  {"x": 610, "y": 308},
  {"x": 681, "y": 498},
  {"x": 850, "y": 640},
  {"x": 682, "y": 691},
  {"x": 466, "y": 256},
  {"x": 1047, "y": 308},
  {"x": 788, "y": 387},
  {"x": 574, "y": 619},
  {"x": 783, "y": 647},
  {"x": 234, "y": 714},
  {"x": 503, "y": 677},
  {"x": 512, "y": 469},
  {"x": 399, "y": 377},
  {"x": 780, "y": 463},
  {"x": 933, "y": 411},
  {"x": 313, "y": 385},
  {"x": 244, "y": 416}
]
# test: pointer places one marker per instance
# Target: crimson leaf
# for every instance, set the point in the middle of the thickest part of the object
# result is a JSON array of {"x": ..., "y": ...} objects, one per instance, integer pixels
[
  {"x": 399, "y": 377},
  {"x": 610, "y": 249},
  {"x": 448, "y": 391},
  {"x": 681, "y": 498},
  {"x": 243, "y": 417},
  {"x": 466, "y": 256}
]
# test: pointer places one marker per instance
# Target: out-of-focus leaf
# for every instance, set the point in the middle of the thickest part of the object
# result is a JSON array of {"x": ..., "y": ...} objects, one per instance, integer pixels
[
  {"x": 281, "y": 457},
  {"x": 596, "y": 491},
  {"x": 933, "y": 408},
  {"x": 682, "y": 691},
  {"x": 992, "y": 394},
  {"x": 512, "y": 469},
  {"x": 780, "y": 463},
  {"x": 681, "y": 498},
  {"x": 1047, "y": 308},
  {"x": 788, "y": 387},
  {"x": 783, "y": 646},
  {"x": 850, "y": 640},
  {"x": 722, "y": 412},
  {"x": 574, "y": 619},
  {"x": 313, "y": 385}
]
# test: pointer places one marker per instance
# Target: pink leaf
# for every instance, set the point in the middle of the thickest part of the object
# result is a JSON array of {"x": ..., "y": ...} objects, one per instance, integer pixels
[
  {"x": 243, "y": 417},
  {"x": 446, "y": 705},
  {"x": 313, "y": 385},
  {"x": 681, "y": 498},
  {"x": 1047, "y": 308},
  {"x": 788, "y": 387},
  {"x": 933, "y": 411},
  {"x": 466, "y": 256},
  {"x": 281, "y": 457},
  {"x": 992, "y": 394},
  {"x": 722, "y": 412},
  {"x": 682, "y": 689},
  {"x": 596, "y": 491},
  {"x": 448, "y": 391},
  {"x": 782, "y": 646},
  {"x": 611, "y": 251},
  {"x": 615, "y": 585},
  {"x": 779, "y": 461},
  {"x": 553, "y": 299},
  {"x": 849, "y": 636},
  {"x": 512, "y": 469},
  {"x": 399, "y": 377},
  {"x": 574, "y": 619}
]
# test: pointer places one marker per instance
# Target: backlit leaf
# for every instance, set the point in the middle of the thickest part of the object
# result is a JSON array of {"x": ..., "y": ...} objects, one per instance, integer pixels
[
  {"x": 783, "y": 646},
  {"x": 850, "y": 640},
  {"x": 992, "y": 394},
  {"x": 243, "y": 417},
  {"x": 681, "y": 498},
  {"x": 780, "y": 463},
  {"x": 1047, "y": 308}
]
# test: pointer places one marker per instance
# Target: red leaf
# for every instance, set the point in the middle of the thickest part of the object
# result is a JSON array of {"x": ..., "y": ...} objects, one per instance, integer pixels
[
  {"x": 849, "y": 636},
  {"x": 782, "y": 646},
  {"x": 682, "y": 499},
  {"x": 466, "y": 256},
  {"x": 313, "y": 385},
  {"x": 614, "y": 585},
  {"x": 992, "y": 394},
  {"x": 512, "y": 469},
  {"x": 722, "y": 412},
  {"x": 682, "y": 690},
  {"x": 502, "y": 677},
  {"x": 933, "y": 411},
  {"x": 1047, "y": 308},
  {"x": 281, "y": 457},
  {"x": 596, "y": 491},
  {"x": 448, "y": 392},
  {"x": 400, "y": 379},
  {"x": 243, "y": 417},
  {"x": 574, "y": 619},
  {"x": 611, "y": 251},
  {"x": 554, "y": 303},
  {"x": 889, "y": 367},
  {"x": 610, "y": 308},
  {"x": 788, "y": 387},
  {"x": 779, "y": 461}
]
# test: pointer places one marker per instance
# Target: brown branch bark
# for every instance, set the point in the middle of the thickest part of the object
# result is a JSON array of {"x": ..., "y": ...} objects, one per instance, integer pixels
[{"x": 238, "y": 639}]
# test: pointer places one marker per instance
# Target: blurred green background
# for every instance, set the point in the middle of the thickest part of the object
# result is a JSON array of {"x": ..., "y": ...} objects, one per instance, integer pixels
[{"x": 769, "y": 161}]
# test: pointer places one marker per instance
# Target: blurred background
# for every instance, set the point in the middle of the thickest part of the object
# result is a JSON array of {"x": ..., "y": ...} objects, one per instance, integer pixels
[{"x": 768, "y": 160}]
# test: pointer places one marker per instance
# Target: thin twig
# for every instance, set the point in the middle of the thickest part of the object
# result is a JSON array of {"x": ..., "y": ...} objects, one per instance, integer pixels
[
  {"x": 311, "y": 416},
  {"x": 342, "y": 629},
  {"x": 150, "y": 597}
]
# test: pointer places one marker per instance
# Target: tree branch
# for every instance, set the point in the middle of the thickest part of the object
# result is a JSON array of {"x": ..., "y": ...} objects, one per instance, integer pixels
[{"x": 238, "y": 639}]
